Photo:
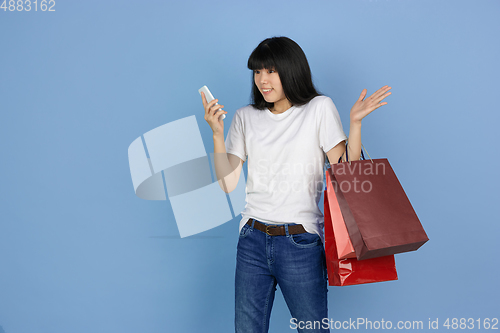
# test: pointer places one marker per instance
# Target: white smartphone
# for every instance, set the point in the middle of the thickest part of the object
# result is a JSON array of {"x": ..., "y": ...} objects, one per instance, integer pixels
[{"x": 209, "y": 97}]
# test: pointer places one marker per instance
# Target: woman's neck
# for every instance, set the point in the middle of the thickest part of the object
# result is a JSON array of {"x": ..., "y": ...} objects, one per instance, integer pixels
[{"x": 281, "y": 106}]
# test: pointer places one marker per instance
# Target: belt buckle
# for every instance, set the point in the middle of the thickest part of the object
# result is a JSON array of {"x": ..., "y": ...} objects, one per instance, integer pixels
[{"x": 268, "y": 228}]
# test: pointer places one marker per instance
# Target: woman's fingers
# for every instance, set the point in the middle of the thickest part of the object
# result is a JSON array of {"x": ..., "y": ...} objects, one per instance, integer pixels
[
  {"x": 211, "y": 105},
  {"x": 380, "y": 98},
  {"x": 363, "y": 94},
  {"x": 381, "y": 92},
  {"x": 213, "y": 111},
  {"x": 211, "y": 108},
  {"x": 376, "y": 97},
  {"x": 207, "y": 105},
  {"x": 216, "y": 108},
  {"x": 204, "y": 100},
  {"x": 219, "y": 113}
]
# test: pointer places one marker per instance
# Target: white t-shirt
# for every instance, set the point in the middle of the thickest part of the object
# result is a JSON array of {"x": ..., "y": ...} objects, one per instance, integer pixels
[{"x": 286, "y": 154}]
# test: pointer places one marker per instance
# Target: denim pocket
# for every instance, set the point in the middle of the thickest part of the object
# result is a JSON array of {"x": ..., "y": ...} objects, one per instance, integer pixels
[
  {"x": 305, "y": 240},
  {"x": 245, "y": 230}
]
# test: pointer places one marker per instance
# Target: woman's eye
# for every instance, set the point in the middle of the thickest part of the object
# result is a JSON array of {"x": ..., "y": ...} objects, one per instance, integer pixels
[
  {"x": 256, "y": 72},
  {"x": 271, "y": 71}
]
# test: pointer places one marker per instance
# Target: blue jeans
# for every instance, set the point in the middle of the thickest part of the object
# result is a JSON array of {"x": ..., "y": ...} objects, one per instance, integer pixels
[{"x": 295, "y": 262}]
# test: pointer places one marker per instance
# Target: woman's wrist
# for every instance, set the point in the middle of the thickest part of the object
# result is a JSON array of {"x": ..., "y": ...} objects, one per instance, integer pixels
[
  {"x": 355, "y": 124},
  {"x": 218, "y": 136}
]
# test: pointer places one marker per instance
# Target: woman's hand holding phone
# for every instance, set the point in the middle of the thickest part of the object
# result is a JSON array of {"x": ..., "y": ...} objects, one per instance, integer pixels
[{"x": 213, "y": 111}]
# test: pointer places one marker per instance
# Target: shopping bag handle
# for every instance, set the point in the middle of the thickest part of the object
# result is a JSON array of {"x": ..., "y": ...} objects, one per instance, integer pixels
[{"x": 362, "y": 155}]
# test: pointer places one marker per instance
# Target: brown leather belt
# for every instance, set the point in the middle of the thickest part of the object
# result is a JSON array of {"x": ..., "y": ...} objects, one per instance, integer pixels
[{"x": 277, "y": 230}]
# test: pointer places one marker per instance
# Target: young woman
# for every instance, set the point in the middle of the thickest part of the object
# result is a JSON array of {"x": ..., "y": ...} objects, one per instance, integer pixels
[{"x": 285, "y": 134}]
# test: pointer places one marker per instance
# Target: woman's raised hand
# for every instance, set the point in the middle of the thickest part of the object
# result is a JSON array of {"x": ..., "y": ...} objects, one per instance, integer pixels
[
  {"x": 212, "y": 113},
  {"x": 364, "y": 107}
]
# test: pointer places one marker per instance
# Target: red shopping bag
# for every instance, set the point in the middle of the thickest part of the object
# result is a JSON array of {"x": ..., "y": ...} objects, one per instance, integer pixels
[
  {"x": 344, "y": 272},
  {"x": 342, "y": 239},
  {"x": 378, "y": 215}
]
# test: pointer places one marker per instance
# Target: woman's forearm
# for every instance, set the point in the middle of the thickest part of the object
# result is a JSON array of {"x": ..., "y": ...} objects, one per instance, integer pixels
[
  {"x": 354, "y": 143},
  {"x": 227, "y": 166}
]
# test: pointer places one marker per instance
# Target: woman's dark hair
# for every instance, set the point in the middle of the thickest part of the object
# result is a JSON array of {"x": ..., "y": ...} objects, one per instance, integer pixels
[{"x": 287, "y": 58}]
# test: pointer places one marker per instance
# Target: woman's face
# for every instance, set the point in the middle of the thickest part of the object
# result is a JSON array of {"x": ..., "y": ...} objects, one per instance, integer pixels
[{"x": 269, "y": 84}]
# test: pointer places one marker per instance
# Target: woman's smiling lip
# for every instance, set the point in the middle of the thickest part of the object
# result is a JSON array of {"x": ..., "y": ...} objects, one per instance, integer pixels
[{"x": 266, "y": 90}]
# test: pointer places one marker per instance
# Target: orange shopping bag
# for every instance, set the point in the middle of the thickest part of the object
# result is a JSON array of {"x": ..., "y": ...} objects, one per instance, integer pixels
[{"x": 343, "y": 241}]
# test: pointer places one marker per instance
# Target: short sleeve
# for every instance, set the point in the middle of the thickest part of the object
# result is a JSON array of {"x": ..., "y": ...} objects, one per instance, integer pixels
[
  {"x": 330, "y": 127},
  {"x": 235, "y": 140}
]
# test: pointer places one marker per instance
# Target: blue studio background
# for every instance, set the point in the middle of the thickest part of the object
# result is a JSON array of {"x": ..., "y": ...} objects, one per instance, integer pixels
[{"x": 79, "y": 252}]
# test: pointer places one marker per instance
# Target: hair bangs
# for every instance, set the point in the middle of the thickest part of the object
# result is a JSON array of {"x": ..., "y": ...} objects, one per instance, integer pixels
[{"x": 261, "y": 58}]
